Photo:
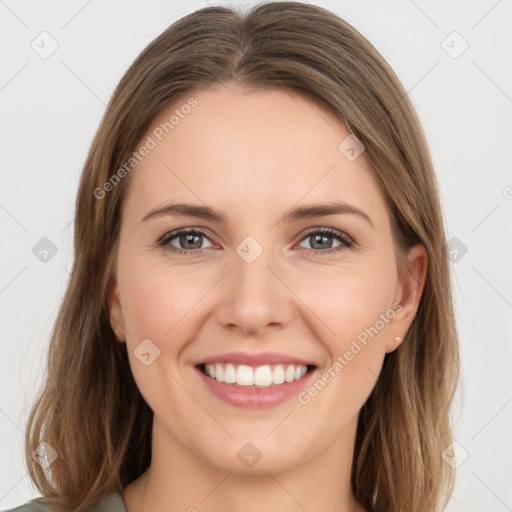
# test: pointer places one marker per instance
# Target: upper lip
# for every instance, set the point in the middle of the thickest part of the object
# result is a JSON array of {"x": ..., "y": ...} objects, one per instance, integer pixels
[{"x": 259, "y": 359}]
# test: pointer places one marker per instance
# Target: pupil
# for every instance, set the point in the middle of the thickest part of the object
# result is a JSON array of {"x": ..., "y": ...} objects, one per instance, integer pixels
[
  {"x": 317, "y": 237},
  {"x": 189, "y": 238}
]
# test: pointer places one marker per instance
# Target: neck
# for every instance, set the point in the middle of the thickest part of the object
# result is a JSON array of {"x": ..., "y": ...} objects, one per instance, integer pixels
[{"x": 179, "y": 480}]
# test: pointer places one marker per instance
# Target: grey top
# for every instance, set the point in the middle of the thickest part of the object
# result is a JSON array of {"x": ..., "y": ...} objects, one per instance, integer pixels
[{"x": 111, "y": 503}]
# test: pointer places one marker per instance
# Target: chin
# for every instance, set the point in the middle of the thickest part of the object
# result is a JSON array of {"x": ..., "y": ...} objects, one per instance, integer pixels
[{"x": 257, "y": 457}]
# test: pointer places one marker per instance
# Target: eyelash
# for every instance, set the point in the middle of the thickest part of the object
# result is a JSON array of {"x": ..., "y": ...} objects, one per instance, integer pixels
[{"x": 347, "y": 242}]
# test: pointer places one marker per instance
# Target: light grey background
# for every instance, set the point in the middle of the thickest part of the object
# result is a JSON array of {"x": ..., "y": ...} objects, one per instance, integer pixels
[{"x": 51, "y": 107}]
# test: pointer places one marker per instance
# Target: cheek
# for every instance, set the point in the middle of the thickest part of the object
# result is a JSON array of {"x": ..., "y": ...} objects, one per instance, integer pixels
[
  {"x": 160, "y": 301},
  {"x": 157, "y": 314},
  {"x": 352, "y": 314},
  {"x": 346, "y": 300},
  {"x": 353, "y": 307},
  {"x": 156, "y": 297}
]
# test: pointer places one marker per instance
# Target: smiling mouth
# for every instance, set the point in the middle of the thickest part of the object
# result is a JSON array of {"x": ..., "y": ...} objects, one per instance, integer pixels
[{"x": 263, "y": 376}]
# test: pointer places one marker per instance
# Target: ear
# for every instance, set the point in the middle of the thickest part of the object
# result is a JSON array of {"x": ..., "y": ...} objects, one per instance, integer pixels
[
  {"x": 115, "y": 310},
  {"x": 408, "y": 294}
]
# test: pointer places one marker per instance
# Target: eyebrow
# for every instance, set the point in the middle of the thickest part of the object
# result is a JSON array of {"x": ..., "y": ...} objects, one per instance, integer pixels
[{"x": 295, "y": 214}]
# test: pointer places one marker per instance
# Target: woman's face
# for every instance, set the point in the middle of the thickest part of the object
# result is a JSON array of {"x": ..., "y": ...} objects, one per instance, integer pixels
[{"x": 258, "y": 285}]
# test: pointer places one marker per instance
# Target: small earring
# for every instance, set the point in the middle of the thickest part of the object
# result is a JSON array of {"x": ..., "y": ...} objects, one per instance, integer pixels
[
  {"x": 116, "y": 332},
  {"x": 398, "y": 339}
]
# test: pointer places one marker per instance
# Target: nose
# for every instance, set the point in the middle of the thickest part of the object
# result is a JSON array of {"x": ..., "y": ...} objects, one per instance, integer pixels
[{"x": 255, "y": 297}]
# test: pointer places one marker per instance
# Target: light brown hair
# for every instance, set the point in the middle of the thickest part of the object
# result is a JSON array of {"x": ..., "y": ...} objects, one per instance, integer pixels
[{"x": 90, "y": 410}]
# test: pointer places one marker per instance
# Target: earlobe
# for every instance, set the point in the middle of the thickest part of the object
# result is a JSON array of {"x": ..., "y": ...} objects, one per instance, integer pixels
[
  {"x": 408, "y": 294},
  {"x": 393, "y": 344},
  {"x": 115, "y": 311}
]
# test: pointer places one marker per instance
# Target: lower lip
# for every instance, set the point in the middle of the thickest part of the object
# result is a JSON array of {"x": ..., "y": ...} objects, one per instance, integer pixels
[{"x": 255, "y": 398}]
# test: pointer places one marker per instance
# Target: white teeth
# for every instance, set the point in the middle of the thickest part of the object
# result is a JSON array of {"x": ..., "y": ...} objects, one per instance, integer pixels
[
  {"x": 230, "y": 374},
  {"x": 244, "y": 375},
  {"x": 219, "y": 372},
  {"x": 260, "y": 376},
  {"x": 289, "y": 375},
  {"x": 263, "y": 376},
  {"x": 278, "y": 374}
]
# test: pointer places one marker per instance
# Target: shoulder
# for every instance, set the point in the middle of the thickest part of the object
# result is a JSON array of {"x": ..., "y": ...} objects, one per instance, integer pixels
[
  {"x": 113, "y": 502},
  {"x": 31, "y": 506}
]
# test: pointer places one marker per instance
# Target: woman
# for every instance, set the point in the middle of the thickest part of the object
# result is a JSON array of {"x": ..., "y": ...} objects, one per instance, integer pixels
[{"x": 255, "y": 368}]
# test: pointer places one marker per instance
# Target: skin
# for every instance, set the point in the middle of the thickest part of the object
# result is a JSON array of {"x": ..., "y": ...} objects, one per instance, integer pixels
[{"x": 254, "y": 156}]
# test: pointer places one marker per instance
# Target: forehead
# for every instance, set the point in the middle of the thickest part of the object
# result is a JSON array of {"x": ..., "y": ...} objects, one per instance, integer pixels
[{"x": 249, "y": 150}]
